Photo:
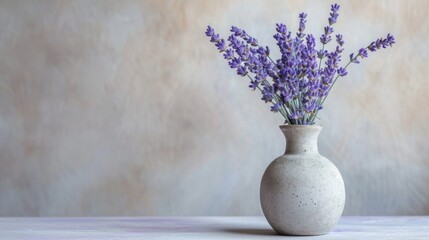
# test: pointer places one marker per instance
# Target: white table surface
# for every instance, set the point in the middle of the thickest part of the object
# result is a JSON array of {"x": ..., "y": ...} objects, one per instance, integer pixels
[{"x": 147, "y": 228}]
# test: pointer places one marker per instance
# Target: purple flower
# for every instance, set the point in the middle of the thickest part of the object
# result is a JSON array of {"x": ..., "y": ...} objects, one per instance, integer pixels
[
  {"x": 242, "y": 71},
  {"x": 253, "y": 84},
  {"x": 296, "y": 115},
  {"x": 335, "y": 7},
  {"x": 236, "y": 31},
  {"x": 296, "y": 84},
  {"x": 215, "y": 38},
  {"x": 390, "y": 40},
  {"x": 209, "y": 32},
  {"x": 229, "y": 54},
  {"x": 334, "y": 14},
  {"x": 276, "y": 107},
  {"x": 342, "y": 72},
  {"x": 268, "y": 93},
  {"x": 309, "y": 106},
  {"x": 311, "y": 43},
  {"x": 382, "y": 43},
  {"x": 281, "y": 28},
  {"x": 328, "y": 30},
  {"x": 326, "y": 38},
  {"x": 221, "y": 45},
  {"x": 302, "y": 21},
  {"x": 250, "y": 40},
  {"x": 339, "y": 38},
  {"x": 235, "y": 62},
  {"x": 363, "y": 53},
  {"x": 322, "y": 53},
  {"x": 374, "y": 46}
]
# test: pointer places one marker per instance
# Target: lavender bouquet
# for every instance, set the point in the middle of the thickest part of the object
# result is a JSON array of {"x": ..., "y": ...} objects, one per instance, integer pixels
[{"x": 298, "y": 83}]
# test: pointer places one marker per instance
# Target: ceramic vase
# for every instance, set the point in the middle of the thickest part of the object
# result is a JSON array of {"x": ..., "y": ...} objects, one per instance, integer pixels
[{"x": 302, "y": 192}]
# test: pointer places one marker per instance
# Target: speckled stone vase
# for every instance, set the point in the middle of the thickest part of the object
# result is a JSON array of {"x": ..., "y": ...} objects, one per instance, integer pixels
[{"x": 302, "y": 192}]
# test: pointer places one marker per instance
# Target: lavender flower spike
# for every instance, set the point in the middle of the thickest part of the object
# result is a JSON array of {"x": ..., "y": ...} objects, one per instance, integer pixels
[
  {"x": 326, "y": 38},
  {"x": 210, "y": 31},
  {"x": 302, "y": 21},
  {"x": 382, "y": 43},
  {"x": 297, "y": 84}
]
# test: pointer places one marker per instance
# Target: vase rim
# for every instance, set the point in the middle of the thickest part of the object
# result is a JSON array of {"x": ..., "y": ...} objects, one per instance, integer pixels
[{"x": 287, "y": 126}]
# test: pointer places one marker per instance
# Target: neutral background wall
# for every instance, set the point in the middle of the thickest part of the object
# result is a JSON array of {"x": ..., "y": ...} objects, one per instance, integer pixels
[{"x": 125, "y": 108}]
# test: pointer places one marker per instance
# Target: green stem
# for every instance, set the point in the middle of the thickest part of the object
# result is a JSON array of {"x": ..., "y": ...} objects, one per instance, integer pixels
[{"x": 304, "y": 117}]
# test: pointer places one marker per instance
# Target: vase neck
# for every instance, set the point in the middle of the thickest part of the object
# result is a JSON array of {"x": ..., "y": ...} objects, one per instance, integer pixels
[{"x": 301, "y": 139}]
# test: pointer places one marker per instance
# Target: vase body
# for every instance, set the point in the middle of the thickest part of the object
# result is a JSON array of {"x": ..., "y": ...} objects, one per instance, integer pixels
[{"x": 302, "y": 192}]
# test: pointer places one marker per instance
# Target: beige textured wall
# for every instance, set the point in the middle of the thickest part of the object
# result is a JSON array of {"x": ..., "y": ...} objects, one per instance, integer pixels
[{"x": 125, "y": 108}]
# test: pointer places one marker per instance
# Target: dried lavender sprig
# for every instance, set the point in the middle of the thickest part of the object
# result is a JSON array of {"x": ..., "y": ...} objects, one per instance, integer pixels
[
  {"x": 278, "y": 104},
  {"x": 299, "y": 85},
  {"x": 245, "y": 60},
  {"x": 373, "y": 46}
]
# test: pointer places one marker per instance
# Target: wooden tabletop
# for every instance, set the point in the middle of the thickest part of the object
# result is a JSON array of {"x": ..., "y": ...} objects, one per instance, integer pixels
[{"x": 148, "y": 228}]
